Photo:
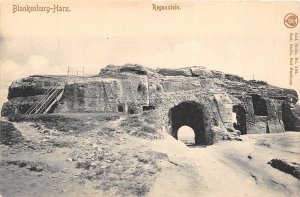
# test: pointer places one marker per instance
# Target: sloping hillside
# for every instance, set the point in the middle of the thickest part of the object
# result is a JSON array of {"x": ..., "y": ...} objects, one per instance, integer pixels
[{"x": 114, "y": 154}]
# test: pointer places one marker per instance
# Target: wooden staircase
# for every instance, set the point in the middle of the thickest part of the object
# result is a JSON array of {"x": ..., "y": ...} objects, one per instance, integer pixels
[{"x": 44, "y": 104}]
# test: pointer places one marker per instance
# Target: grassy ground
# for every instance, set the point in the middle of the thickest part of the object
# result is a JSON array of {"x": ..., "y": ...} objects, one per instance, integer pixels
[
  {"x": 105, "y": 151},
  {"x": 146, "y": 125},
  {"x": 118, "y": 155}
]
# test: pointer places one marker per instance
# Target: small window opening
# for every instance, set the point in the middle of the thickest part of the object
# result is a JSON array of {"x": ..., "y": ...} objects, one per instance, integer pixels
[
  {"x": 148, "y": 108},
  {"x": 259, "y": 105},
  {"x": 120, "y": 108}
]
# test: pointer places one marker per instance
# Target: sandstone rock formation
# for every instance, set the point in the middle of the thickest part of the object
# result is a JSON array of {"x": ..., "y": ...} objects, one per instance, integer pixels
[{"x": 216, "y": 105}]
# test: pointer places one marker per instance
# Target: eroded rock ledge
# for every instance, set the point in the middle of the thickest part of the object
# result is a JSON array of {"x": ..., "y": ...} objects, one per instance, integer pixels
[{"x": 224, "y": 105}]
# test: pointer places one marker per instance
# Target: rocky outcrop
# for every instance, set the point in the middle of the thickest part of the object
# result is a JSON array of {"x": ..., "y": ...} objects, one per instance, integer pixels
[
  {"x": 34, "y": 85},
  {"x": 291, "y": 168},
  {"x": 228, "y": 104},
  {"x": 174, "y": 72}
]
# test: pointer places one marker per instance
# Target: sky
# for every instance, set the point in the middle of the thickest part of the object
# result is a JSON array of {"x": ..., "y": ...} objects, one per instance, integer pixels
[{"x": 244, "y": 38}]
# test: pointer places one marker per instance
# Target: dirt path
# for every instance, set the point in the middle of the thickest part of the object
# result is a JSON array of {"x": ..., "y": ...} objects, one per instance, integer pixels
[
  {"x": 45, "y": 164},
  {"x": 229, "y": 168}
]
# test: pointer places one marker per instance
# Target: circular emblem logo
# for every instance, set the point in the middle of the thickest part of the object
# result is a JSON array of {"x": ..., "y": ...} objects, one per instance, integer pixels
[{"x": 290, "y": 20}]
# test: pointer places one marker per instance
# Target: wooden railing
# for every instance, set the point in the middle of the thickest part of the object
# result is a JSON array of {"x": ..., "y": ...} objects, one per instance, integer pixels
[{"x": 44, "y": 104}]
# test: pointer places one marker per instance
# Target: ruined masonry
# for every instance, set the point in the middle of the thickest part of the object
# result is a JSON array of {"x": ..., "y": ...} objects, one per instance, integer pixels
[{"x": 216, "y": 105}]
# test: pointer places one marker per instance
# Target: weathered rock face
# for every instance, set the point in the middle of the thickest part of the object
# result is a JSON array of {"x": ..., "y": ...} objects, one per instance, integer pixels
[
  {"x": 90, "y": 96},
  {"x": 25, "y": 92},
  {"x": 216, "y": 105}
]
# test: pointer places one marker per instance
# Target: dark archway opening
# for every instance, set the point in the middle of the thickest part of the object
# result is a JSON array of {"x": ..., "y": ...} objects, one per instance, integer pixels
[
  {"x": 240, "y": 123},
  {"x": 190, "y": 114},
  {"x": 290, "y": 122},
  {"x": 259, "y": 105}
]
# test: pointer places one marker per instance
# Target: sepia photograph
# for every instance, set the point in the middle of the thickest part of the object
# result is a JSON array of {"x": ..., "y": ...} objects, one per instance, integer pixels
[{"x": 158, "y": 98}]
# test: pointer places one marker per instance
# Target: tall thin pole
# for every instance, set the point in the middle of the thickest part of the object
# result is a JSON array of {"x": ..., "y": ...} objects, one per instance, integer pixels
[
  {"x": 68, "y": 70},
  {"x": 82, "y": 71}
]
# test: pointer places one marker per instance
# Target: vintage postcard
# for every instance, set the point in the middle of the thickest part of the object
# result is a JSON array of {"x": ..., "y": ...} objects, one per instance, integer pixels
[{"x": 149, "y": 98}]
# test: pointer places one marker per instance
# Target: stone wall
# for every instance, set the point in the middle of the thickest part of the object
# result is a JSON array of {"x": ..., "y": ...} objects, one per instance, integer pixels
[
  {"x": 91, "y": 96},
  {"x": 260, "y": 107},
  {"x": 210, "y": 107}
]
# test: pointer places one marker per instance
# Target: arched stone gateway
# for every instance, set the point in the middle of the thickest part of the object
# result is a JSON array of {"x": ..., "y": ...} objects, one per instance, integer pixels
[{"x": 191, "y": 114}]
